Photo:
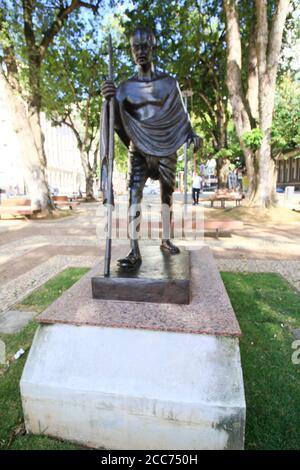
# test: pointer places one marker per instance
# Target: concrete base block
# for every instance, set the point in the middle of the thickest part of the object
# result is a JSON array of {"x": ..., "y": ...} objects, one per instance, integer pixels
[{"x": 134, "y": 389}]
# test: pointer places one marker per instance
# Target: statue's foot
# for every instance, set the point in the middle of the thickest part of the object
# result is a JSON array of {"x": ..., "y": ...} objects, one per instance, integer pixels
[
  {"x": 168, "y": 247},
  {"x": 131, "y": 261}
]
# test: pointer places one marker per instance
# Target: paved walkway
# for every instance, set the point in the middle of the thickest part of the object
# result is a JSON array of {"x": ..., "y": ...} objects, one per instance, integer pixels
[{"x": 31, "y": 252}]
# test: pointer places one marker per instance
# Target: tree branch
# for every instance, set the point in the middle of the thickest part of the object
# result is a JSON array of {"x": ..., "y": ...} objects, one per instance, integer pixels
[
  {"x": 28, "y": 7},
  {"x": 275, "y": 37},
  {"x": 72, "y": 126},
  {"x": 58, "y": 22},
  {"x": 252, "y": 89},
  {"x": 9, "y": 54},
  {"x": 85, "y": 162},
  {"x": 212, "y": 112},
  {"x": 86, "y": 123},
  {"x": 234, "y": 65},
  {"x": 262, "y": 35},
  {"x": 96, "y": 154},
  {"x": 291, "y": 153}
]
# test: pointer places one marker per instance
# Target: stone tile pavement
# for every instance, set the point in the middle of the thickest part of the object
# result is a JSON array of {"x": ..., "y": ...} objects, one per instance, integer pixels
[
  {"x": 13, "y": 321},
  {"x": 14, "y": 291}
]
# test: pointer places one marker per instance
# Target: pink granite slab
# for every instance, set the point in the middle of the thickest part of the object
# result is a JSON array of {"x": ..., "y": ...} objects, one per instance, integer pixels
[{"x": 210, "y": 310}]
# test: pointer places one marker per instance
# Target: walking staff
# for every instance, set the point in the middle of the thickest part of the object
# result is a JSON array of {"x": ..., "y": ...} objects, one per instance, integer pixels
[{"x": 107, "y": 161}]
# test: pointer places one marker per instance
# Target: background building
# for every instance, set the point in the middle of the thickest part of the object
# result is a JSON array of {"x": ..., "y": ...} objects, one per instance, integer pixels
[
  {"x": 65, "y": 172},
  {"x": 64, "y": 168},
  {"x": 289, "y": 172}
]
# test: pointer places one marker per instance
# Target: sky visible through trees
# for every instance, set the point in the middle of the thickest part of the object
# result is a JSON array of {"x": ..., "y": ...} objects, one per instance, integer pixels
[{"x": 60, "y": 73}]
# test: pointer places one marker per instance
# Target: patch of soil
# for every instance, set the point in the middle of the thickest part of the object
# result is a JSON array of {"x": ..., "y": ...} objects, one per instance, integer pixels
[
  {"x": 250, "y": 215},
  {"x": 55, "y": 214}
]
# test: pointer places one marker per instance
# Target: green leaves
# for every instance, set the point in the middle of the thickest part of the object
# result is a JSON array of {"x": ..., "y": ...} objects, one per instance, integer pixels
[
  {"x": 72, "y": 73},
  {"x": 253, "y": 138},
  {"x": 286, "y": 121},
  {"x": 224, "y": 153},
  {"x": 71, "y": 80}
]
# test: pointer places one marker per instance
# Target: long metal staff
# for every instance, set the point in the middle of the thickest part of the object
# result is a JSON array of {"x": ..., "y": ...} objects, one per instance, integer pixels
[{"x": 110, "y": 199}]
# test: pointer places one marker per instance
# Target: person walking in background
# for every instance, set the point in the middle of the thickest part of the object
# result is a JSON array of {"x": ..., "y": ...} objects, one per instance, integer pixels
[
  {"x": 196, "y": 188},
  {"x": 202, "y": 178},
  {"x": 245, "y": 182}
]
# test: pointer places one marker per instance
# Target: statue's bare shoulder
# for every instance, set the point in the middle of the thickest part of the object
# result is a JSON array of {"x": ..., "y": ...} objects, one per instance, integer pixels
[{"x": 125, "y": 88}]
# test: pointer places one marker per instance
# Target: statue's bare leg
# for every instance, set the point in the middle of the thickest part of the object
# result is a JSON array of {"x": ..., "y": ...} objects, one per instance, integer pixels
[
  {"x": 167, "y": 216},
  {"x": 137, "y": 183}
]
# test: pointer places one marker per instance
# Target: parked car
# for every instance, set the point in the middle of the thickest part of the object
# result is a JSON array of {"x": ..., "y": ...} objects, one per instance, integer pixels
[{"x": 211, "y": 183}]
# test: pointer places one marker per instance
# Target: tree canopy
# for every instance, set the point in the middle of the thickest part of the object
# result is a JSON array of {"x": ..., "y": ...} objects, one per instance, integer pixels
[
  {"x": 53, "y": 55},
  {"x": 286, "y": 123},
  {"x": 28, "y": 28}
]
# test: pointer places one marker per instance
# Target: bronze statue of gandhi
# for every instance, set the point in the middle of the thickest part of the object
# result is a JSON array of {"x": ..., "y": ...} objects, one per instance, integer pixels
[{"x": 151, "y": 120}]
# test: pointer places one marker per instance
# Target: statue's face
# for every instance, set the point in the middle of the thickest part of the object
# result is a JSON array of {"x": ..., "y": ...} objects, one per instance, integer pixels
[{"x": 141, "y": 48}]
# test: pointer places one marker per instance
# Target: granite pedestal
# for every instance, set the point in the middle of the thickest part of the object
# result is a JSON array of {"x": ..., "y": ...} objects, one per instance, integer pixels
[{"x": 133, "y": 375}]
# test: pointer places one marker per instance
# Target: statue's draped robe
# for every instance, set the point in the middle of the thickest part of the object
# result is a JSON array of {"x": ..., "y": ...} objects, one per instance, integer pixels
[{"x": 158, "y": 136}]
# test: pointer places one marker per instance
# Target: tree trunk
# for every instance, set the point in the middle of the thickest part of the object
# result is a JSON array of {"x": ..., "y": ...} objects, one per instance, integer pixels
[
  {"x": 252, "y": 89},
  {"x": 222, "y": 171},
  {"x": 89, "y": 185},
  {"x": 33, "y": 162},
  {"x": 264, "y": 194},
  {"x": 264, "y": 60},
  {"x": 268, "y": 50},
  {"x": 237, "y": 98},
  {"x": 195, "y": 161},
  {"x": 88, "y": 173}
]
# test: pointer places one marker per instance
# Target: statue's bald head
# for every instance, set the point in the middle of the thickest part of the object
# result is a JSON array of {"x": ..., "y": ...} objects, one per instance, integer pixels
[
  {"x": 142, "y": 42},
  {"x": 145, "y": 33}
]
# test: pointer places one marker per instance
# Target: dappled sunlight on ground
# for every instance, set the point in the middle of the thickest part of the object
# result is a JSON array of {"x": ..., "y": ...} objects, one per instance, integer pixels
[{"x": 278, "y": 215}]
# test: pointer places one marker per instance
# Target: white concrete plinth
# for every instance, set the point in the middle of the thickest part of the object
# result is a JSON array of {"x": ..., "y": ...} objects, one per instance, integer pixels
[{"x": 134, "y": 389}]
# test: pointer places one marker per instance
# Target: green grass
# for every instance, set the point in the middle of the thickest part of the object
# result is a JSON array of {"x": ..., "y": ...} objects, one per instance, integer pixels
[
  {"x": 41, "y": 298},
  {"x": 267, "y": 308},
  {"x": 12, "y": 432}
]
